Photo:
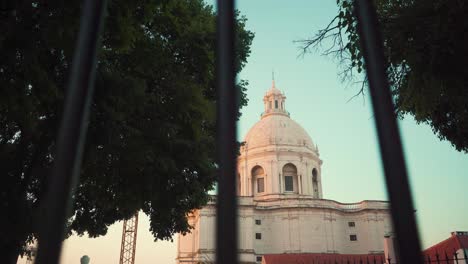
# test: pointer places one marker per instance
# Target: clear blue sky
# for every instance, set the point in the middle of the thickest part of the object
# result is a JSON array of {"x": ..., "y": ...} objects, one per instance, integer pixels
[{"x": 344, "y": 132}]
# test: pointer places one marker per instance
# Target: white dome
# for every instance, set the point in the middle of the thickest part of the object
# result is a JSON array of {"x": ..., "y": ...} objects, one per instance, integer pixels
[{"x": 278, "y": 129}]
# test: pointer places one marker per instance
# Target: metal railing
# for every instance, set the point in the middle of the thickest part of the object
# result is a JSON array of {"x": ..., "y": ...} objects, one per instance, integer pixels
[
  {"x": 443, "y": 258},
  {"x": 73, "y": 129}
]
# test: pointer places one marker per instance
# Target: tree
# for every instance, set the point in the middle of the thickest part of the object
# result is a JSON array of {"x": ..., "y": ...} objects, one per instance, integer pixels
[
  {"x": 150, "y": 141},
  {"x": 425, "y": 49}
]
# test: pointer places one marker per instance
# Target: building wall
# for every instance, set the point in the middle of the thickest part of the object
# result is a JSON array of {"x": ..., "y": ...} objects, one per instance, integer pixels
[
  {"x": 188, "y": 244},
  {"x": 294, "y": 225}
]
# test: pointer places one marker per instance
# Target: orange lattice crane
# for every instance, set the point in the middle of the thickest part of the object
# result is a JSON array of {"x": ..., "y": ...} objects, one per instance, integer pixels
[{"x": 129, "y": 237}]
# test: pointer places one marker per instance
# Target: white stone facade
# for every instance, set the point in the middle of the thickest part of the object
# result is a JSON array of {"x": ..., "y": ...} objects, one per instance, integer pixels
[
  {"x": 291, "y": 224},
  {"x": 281, "y": 205}
]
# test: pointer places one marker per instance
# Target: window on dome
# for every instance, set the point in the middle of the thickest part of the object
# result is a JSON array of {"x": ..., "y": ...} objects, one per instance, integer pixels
[
  {"x": 315, "y": 182},
  {"x": 314, "y": 174},
  {"x": 260, "y": 185},
  {"x": 288, "y": 183},
  {"x": 290, "y": 178},
  {"x": 269, "y": 105},
  {"x": 257, "y": 174},
  {"x": 276, "y": 104}
]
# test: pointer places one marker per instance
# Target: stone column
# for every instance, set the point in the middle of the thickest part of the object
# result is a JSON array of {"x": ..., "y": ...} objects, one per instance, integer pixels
[{"x": 390, "y": 250}]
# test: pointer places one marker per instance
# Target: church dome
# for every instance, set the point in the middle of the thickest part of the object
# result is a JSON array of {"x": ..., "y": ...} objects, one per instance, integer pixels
[{"x": 276, "y": 127}]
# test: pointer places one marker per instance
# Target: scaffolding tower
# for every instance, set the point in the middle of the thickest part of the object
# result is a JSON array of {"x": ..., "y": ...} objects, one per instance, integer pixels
[{"x": 129, "y": 237}]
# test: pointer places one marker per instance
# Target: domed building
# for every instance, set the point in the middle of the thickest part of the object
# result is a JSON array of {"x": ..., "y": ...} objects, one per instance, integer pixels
[
  {"x": 282, "y": 212},
  {"x": 278, "y": 156}
]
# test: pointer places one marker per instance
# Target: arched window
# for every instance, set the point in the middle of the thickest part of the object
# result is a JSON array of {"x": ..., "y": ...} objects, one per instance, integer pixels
[
  {"x": 258, "y": 180},
  {"x": 290, "y": 178},
  {"x": 315, "y": 183}
]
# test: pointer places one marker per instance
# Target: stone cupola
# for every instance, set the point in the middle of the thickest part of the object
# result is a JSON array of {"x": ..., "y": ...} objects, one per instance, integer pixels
[{"x": 274, "y": 101}]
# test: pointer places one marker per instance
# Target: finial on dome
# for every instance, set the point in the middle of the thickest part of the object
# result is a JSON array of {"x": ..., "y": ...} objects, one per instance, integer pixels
[{"x": 273, "y": 79}]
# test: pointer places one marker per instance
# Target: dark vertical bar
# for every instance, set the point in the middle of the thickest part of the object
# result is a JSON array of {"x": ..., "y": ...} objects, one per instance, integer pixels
[
  {"x": 71, "y": 135},
  {"x": 226, "y": 224},
  {"x": 409, "y": 249},
  {"x": 465, "y": 257}
]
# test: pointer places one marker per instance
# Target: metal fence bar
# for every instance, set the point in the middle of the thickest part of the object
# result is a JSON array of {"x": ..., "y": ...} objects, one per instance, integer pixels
[
  {"x": 226, "y": 221},
  {"x": 71, "y": 135},
  {"x": 408, "y": 246}
]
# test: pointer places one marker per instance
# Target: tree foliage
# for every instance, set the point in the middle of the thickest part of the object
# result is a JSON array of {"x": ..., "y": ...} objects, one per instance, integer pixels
[
  {"x": 425, "y": 49},
  {"x": 150, "y": 141}
]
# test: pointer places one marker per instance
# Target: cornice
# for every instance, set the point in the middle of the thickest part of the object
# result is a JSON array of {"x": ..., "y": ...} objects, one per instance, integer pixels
[
  {"x": 295, "y": 201},
  {"x": 278, "y": 152}
]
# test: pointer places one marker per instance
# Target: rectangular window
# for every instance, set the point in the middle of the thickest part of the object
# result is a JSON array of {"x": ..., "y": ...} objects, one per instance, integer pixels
[
  {"x": 288, "y": 183},
  {"x": 260, "y": 185},
  {"x": 351, "y": 224},
  {"x": 258, "y": 222},
  {"x": 259, "y": 258},
  {"x": 353, "y": 237},
  {"x": 276, "y": 104},
  {"x": 258, "y": 235}
]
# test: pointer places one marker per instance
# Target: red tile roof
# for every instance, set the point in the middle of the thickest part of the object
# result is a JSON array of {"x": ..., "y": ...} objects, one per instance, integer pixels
[
  {"x": 316, "y": 258},
  {"x": 448, "y": 247}
]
